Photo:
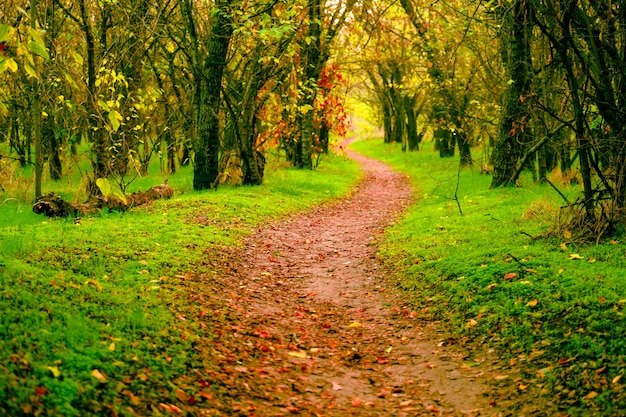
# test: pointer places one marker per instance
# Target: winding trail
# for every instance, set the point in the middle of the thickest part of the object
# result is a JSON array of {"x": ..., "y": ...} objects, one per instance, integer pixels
[{"x": 321, "y": 330}]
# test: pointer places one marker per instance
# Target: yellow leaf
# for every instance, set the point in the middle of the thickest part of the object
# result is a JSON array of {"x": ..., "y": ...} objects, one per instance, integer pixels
[
  {"x": 471, "y": 323},
  {"x": 616, "y": 379},
  {"x": 99, "y": 375},
  {"x": 567, "y": 234},
  {"x": 591, "y": 395},
  {"x": 532, "y": 303},
  {"x": 112, "y": 346},
  {"x": 298, "y": 354},
  {"x": 11, "y": 65},
  {"x": 55, "y": 371},
  {"x": 355, "y": 324},
  {"x": 575, "y": 256},
  {"x": 31, "y": 72}
]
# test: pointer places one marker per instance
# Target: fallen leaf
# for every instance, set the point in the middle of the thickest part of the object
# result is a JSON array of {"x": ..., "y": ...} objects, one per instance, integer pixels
[
  {"x": 492, "y": 286},
  {"x": 298, "y": 354},
  {"x": 522, "y": 387},
  {"x": 182, "y": 395},
  {"x": 510, "y": 275},
  {"x": 532, "y": 303},
  {"x": 134, "y": 400},
  {"x": 112, "y": 346},
  {"x": 40, "y": 391},
  {"x": 616, "y": 379},
  {"x": 471, "y": 323},
  {"x": 336, "y": 386},
  {"x": 591, "y": 395},
  {"x": 99, "y": 375},
  {"x": 383, "y": 392},
  {"x": 355, "y": 324},
  {"x": 55, "y": 371},
  {"x": 382, "y": 361},
  {"x": 575, "y": 256},
  {"x": 356, "y": 402},
  {"x": 170, "y": 408}
]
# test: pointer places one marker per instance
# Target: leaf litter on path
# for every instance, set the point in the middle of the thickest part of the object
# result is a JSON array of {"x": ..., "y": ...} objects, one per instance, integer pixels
[{"x": 306, "y": 323}]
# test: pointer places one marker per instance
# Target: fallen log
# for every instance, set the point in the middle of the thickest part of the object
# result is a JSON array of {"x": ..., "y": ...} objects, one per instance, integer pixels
[{"x": 52, "y": 205}]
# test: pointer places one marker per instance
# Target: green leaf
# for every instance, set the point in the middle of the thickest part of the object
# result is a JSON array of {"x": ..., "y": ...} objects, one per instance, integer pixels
[
  {"x": 5, "y": 32},
  {"x": 119, "y": 194},
  {"x": 37, "y": 45},
  {"x": 31, "y": 71},
  {"x": 114, "y": 118},
  {"x": 104, "y": 185}
]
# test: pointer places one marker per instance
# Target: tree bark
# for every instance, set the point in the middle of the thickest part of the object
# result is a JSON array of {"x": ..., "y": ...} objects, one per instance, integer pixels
[
  {"x": 206, "y": 161},
  {"x": 513, "y": 130}
]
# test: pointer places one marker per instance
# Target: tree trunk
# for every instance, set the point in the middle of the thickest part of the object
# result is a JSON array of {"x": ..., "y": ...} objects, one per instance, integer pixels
[
  {"x": 53, "y": 145},
  {"x": 465, "y": 150},
  {"x": 513, "y": 130},
  {"x": 387, "y": 122},
  {"x": 411, "y": 124},
  {"x": 36, "y": 110},
  {"x": 206, "y": 161}
]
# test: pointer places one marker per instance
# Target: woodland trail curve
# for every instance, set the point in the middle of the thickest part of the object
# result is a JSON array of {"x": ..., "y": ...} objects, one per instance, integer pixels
[{"x": 317, "y": 330}]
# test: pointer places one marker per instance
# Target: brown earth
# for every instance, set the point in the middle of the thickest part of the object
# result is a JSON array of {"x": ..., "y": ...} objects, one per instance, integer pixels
[{"x": 308, "y": 322}]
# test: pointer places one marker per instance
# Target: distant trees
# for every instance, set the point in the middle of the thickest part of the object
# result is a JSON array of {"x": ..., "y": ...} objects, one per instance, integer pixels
[{"x": 428, "y": 69}]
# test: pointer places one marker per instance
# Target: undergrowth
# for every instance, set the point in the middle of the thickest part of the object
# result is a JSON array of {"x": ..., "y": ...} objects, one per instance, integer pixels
[
  {"x": 99, "y": 315},
  {"x": 550, "y": 303}
]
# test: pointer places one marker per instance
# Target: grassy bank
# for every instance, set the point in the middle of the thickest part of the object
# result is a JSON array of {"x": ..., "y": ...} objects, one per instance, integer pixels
[
  {"x": 99, "y": 315},
  {"x": 554, "y": 306}
]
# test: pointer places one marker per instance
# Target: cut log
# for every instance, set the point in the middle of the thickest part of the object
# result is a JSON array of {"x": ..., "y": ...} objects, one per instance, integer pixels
[{"x": 52, "y": 205}]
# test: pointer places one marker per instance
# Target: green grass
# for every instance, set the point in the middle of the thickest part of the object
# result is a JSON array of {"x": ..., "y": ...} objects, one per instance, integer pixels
[
  {"x": 560, "y": 315},
  {"x": 107, "y": 293}
]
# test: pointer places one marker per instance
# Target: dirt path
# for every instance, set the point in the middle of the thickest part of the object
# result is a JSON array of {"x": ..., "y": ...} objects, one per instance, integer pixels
[{"x": 315, "y": 330}]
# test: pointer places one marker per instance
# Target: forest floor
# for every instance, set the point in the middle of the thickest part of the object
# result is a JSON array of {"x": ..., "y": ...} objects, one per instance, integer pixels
[{"x": 312, "y": 325}]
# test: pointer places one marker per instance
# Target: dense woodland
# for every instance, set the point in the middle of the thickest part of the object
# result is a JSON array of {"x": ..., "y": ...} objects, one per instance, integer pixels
[{"x": 514, "y": 85}]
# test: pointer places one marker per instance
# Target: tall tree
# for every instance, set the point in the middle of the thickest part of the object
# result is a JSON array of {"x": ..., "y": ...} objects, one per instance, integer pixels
[{"x": 514, "y": 127}]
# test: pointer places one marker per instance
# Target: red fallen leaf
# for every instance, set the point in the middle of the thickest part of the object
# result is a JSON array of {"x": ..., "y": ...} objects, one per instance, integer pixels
[
  {"x": 382, "y": 361},
  {"x": 40, "y": 391},
  {"x": 356, "y": 402},
  {"x": 326, "y": 325},
  {"x": 204, "y": 383},
  {"x": 264, "y": 348},
  {"x": 273, "y": 260},
  {"x": 292, "y": 409},
  {"x": 205, "y": 395},
  {"x": 510, "y": 275}
]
